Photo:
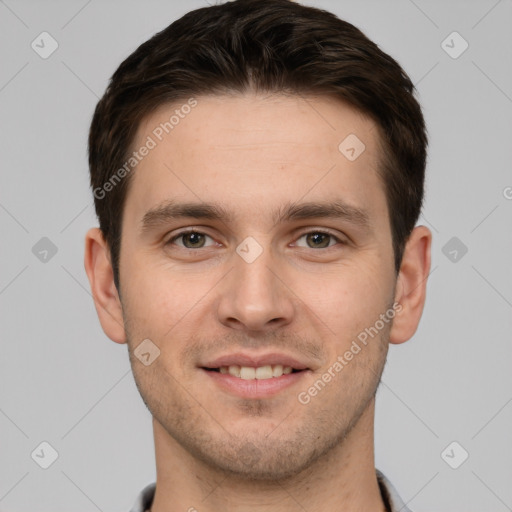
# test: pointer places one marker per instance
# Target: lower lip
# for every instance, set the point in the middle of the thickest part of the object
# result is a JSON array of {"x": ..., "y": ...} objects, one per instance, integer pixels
[{"x": 255, "y": 388}]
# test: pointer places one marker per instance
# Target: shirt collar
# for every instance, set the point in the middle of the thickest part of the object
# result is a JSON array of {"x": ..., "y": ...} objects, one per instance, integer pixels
[{"x": 389, "y": 494}]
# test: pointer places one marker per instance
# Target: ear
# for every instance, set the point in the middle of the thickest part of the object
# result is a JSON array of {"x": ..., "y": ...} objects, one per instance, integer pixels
[
  {"x": 101, "y": 278},
  {"x": 411, "y": 286}
]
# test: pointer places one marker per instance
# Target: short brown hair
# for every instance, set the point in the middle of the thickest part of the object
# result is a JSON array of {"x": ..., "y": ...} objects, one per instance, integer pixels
[{"x": 269, "y": 46}]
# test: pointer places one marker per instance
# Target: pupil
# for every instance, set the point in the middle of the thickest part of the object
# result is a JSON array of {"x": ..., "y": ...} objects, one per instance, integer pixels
[
  {"x": 321, "y": 235},
  {"x": 193, "y": 238}
]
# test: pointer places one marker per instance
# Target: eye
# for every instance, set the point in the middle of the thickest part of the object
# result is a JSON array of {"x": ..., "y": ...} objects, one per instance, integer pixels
[
  {"x": 319, "y": 239},
  {"x": 191, "y": 240}
]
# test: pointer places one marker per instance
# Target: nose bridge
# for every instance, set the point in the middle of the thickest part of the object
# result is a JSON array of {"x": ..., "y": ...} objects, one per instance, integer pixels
[
  {"x": 252, "y": 272},
  {"x": 254, "y": 295}
]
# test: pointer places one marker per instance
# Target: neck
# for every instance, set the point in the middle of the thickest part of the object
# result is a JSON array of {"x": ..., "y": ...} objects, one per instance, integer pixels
[{"x": 343, "y": 479}]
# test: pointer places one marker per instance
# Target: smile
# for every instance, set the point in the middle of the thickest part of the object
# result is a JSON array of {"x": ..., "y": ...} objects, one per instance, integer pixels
[
  {"x": 259, "y": 373},
  {"x": 254, "y": 382}
]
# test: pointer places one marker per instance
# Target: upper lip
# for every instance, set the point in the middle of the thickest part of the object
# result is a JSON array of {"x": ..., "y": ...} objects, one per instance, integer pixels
[{"x": 241, "y": 359}]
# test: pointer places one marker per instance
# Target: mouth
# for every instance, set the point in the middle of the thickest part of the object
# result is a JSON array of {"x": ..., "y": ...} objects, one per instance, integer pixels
[
  {"x": 247, "y": 376},
  {"x": 255, "y": 373}
]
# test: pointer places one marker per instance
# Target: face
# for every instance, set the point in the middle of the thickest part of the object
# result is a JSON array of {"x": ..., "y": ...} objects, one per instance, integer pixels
[{"x": 258, "y": 275}]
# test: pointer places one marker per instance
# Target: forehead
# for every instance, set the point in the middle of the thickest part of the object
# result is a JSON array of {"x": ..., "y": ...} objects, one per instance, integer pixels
[{"x": 254, "y": 150}]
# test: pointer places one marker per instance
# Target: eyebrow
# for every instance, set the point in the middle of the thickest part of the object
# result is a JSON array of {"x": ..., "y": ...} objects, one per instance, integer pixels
[{"x": 172, "y": 210}]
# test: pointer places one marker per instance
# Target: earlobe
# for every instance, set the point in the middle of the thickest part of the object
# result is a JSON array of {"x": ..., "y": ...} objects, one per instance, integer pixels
[
  {"x": 101, "y": 278},
  {"x": 411, "y": 286}
]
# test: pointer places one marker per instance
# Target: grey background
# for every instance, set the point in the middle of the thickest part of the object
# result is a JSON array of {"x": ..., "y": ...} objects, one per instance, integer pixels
[{"x": 64, "y": 382}]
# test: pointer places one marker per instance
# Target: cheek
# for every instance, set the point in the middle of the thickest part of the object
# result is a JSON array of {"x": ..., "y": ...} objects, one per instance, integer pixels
[
  {"x": 348, "y": 300},
  {"x": 160, "y": 298}
]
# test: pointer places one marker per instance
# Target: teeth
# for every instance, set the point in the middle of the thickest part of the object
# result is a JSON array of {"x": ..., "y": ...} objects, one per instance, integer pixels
[
  {"x": 264, "y": 372},
  {"x": 277, "y": 370},
  {"x": 234, "y": 370},
  {"x": 260, "y": 373},
  {"x": 247, "y": 373}
]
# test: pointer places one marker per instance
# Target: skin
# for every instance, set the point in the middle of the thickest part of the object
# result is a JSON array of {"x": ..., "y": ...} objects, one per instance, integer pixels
[{"x": 252, "y": 154}]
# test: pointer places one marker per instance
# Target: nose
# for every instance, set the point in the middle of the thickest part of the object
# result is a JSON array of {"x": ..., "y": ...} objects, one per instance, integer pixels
[{"x": 255, "y": 296}]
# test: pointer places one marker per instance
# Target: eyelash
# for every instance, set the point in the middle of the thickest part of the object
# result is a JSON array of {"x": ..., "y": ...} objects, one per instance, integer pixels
[{"x": 314, "y": 231}]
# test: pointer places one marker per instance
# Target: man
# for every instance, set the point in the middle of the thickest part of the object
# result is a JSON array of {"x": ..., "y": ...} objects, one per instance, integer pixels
[{"x": 258, "y": 171}]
